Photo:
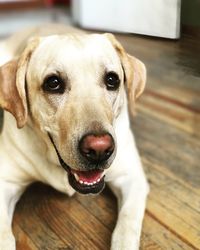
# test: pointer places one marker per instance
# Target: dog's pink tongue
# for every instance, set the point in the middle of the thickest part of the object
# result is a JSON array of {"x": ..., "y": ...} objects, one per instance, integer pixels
[{"x": 89, "y": 176}]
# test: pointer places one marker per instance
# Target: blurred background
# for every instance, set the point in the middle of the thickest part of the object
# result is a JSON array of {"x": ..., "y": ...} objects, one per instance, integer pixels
[{"x": 167, "y": 18}]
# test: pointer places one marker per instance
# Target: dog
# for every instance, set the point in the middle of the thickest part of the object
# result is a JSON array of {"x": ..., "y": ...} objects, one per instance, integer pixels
[{"x": 70, "y": 94}]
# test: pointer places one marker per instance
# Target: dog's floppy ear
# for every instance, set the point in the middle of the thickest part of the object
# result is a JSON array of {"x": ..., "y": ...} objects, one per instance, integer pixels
[
  {"x": 12, "y": 85},
  {"x": 135, "y": 72}
]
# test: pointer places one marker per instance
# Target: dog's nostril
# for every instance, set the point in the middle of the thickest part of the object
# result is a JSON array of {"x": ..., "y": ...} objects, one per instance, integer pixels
[
  {"x": 96, "y": 148},
  {"x": 90, "y": 154}
]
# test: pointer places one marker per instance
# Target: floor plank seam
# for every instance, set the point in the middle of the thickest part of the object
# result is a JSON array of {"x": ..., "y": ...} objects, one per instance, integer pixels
[
  {"x": 106, "y": 226},
  {"x": 171, "y": 100},
  {"x": 171, "y": 230},
  {"x": 170, "y": 175}
]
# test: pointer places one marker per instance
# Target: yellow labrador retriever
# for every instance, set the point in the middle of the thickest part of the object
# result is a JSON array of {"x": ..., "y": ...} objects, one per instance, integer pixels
[{"x": 69, "y": 93}]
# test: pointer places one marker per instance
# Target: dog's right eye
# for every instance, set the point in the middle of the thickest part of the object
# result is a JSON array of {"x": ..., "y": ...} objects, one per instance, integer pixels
[{"x": 54, "y": 84}]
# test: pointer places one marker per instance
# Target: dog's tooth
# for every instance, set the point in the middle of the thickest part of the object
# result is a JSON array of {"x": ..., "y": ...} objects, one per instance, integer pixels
[
  {"x": 102, "y": 174},
  {"x": 76, "y": 176},
  {"x": 88, "y": 183}
]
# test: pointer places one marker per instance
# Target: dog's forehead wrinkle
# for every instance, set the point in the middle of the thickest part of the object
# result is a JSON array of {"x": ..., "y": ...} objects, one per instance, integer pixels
[
  {"x": 81, "y": 59},
  {"x": 93, "y": 46}
]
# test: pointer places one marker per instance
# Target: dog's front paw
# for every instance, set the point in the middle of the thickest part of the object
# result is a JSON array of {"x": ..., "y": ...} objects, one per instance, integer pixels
[
  {"x": 124, "y": 239},
  {"x": 7, "y": 240}
]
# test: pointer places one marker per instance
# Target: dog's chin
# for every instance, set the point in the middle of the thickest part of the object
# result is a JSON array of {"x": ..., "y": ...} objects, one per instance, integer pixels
[{"x": 86, "y": 182}]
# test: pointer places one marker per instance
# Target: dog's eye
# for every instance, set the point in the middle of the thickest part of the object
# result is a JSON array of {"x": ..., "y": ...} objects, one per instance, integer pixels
[
  {"x": 112, "y": 81},
  {"x": 54, "y": 84}
]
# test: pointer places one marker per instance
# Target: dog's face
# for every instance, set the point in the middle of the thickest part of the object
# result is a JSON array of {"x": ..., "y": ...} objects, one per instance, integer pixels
[
  {"x": 75, "y": 93},
  {"x": 72, "y": 88}
]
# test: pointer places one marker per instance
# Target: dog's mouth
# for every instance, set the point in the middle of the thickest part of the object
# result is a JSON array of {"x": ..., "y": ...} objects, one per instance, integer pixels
[{"x": 84, "y": 182}]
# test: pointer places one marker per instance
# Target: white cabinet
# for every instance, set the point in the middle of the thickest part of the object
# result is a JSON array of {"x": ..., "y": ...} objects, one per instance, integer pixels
[{"x": 149, "y": 17}]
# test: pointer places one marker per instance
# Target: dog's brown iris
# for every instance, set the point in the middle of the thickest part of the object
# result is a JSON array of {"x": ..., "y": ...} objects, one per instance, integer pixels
[
  {"x": 54, "y": 84},
  {"x": 112, "y": 81}
]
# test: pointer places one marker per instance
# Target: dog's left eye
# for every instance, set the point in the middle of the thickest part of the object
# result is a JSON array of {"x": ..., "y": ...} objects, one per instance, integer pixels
[
  {"x": 54, "y": 84},
  {"x": 112, "y": 81}
]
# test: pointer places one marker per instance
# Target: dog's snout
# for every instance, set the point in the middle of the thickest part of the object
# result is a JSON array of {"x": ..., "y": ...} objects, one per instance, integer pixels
[{"x": 97, "y": 148}]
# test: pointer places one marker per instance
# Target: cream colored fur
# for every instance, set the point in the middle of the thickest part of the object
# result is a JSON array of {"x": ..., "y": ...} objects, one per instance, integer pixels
[{"x": 27, "y": 155}]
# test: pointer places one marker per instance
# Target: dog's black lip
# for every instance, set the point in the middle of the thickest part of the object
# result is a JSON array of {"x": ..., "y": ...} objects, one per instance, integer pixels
[
  {"x": 81, "y": 188},
  {"x": 62, "y": 163}
]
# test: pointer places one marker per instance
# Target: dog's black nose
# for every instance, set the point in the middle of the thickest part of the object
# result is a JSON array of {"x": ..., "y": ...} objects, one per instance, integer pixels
[{"x": 96, "y": 148}]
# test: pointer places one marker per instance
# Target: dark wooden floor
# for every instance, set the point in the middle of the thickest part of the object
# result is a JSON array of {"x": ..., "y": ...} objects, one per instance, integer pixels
[{"x": 167, "y": 130}]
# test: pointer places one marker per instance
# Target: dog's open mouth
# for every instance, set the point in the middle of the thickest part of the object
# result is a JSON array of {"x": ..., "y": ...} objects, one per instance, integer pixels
[{"x": 86, "y": 182}]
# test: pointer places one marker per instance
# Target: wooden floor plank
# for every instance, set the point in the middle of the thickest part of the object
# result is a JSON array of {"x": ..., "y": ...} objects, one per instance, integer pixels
[
  {"x": 97, "y": 236},
  {"x": 23, "y": 241},
  {"x": 169, "y": 215},
  {"x": 184, "y": 118},
  {"x": 161, "y": 143},
  {"x": 174, "y": 205},
  {"x": 160, "y": 176},
  {"x": 159, "y": 237},
  {"x": 59, "y": 219},
  {"x": 148, "y": 243},
  {"x": 68, "y": 223},
  {"x": 104, "y": 207},
  {"x": 37, "y": 230}
]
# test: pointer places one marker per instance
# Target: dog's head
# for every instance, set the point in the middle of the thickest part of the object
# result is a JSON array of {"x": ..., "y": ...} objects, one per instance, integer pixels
[{"x": 72, "y": 89}]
